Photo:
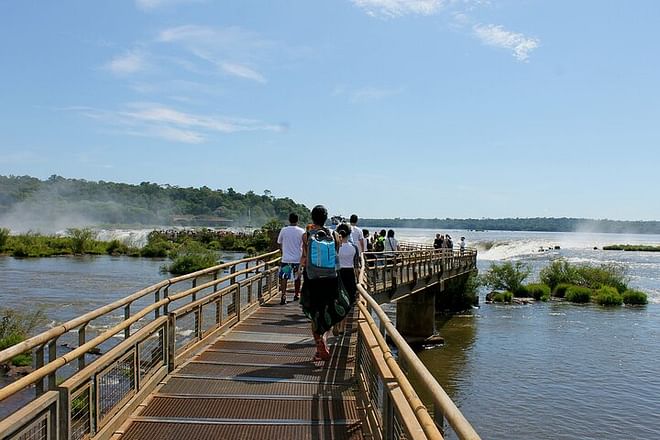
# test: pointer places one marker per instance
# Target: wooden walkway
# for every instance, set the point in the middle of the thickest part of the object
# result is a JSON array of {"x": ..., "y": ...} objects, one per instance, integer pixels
[{"x": 257, "y": 382}]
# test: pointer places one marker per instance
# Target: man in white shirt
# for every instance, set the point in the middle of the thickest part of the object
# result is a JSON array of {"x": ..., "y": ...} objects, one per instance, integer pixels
[
  {"x": 290, "y": 241},
  {"x": 357, "y": 237}
]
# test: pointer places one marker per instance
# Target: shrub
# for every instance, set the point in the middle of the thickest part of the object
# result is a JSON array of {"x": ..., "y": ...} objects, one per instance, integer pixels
[
  {"x": 558, "y": 272},
  {"x": 116, "y": 247},
  {"x": 578, "y": 294},
  {"x": 634, "y": 297},
  {"x": 503, "y": 297},
  {"x": 190, "y": 257},
  {"x": 156, "y": 248},
  {"x": 4, "y": 236},
  {"x": 80, "y": 239},
  {"x": 560, "y": 289},
  {"x": 538, "y": 291},
  {"x": 506, "y": 276},
  {"x": 608, "y": 296},
  {"x": 595, "y": 277}
]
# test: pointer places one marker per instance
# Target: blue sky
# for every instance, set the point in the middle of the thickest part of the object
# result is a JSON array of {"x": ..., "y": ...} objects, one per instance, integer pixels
[{"x": 386, "y": 108}]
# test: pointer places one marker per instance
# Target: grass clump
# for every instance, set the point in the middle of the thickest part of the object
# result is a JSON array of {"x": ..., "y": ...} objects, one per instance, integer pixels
[
  {"x": 634, "y": 297},
  {"x": 503, "y": 297},
  {"x": 560, "y": 290},
  {"x": 538, "y": 291},
  {"x": 608, "y": 296},
  {"x": 190, "y": 257},
  {"x": 578, "y": 294}
]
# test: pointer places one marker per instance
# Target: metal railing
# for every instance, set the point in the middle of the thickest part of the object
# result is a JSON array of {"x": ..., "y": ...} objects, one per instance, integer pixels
[
  {"x": 394, "y": 410},
  {"x": 95, "y": 399},
  {"x": 92, "y": 400}
]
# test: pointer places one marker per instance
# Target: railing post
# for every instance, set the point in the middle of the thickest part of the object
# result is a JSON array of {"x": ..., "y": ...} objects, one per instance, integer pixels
[
  {"x": 156, "y": 299},
  {"x": 81, "y": 342},
  {"x": 387, "y": 413},
  {"x": 193, "y": 297},
  {"x": 166, "y": 294},
  {"x": 52, "y": 355},
  {"x": 171, "y": 341},
  {"x": 39, "y": 362},
  {"x": 127, "y": 315}
]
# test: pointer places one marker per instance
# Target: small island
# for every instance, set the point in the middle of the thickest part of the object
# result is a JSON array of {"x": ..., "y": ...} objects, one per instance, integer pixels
[{"x": 632, "y": 247}]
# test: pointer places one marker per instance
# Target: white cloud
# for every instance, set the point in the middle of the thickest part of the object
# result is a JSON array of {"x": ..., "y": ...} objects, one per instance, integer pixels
[
  {"x": 127, "y": 63},
  {"x": 231, "y": 50},
  {"x": 242, "y": 72},
  {"x": 397, "y": 8},
  {"x": 497, "y": 36},
  {"x": 160, "y": 121}
]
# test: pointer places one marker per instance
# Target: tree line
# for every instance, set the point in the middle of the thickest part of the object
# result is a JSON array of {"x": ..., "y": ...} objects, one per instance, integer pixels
[
  {"x": 546, "y": 224},
  {"x": 146, "y": 204}
]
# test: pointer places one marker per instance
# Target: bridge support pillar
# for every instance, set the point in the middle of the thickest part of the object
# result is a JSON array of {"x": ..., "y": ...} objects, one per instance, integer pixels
[{"x": 415, "y": 315}]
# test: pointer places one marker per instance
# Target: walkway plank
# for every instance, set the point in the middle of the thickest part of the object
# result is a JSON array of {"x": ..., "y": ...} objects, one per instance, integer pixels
[{"x": 258, "y": 382}]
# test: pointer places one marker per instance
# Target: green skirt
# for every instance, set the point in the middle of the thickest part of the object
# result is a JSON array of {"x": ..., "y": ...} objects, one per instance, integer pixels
[{"x": 324, "y": 301}]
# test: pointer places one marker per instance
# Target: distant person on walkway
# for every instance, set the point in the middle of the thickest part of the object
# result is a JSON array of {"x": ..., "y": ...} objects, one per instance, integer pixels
[
  {"x": 368, "y": 246},
  {"x": 357, "y": 238},
  {"x": 290, "y": 240},
  {"x": 391, "y": 244},
  {"x": 438, "y": 242},
  {"x": 322, "y": 301},
  {"x": 349, "y": 266},
  {"x": 462, "y": 245},
  {"x": 379, "y": 242},
  {"x": 448, "y": 242}
]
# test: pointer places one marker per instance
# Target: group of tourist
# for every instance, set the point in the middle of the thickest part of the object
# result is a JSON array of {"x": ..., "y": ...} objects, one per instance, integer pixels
[
  {"x": 328, "y": 263},
  {"x": 445, "y": 242}
]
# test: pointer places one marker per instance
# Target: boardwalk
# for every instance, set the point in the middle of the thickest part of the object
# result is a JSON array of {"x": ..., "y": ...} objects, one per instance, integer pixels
[
  {"x": 258, "y": 382},
  {"x": 212, "y": 355}
]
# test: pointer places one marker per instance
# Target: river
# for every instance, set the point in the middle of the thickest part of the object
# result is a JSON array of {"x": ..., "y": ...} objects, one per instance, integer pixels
[{"x": 548, "y": 370}]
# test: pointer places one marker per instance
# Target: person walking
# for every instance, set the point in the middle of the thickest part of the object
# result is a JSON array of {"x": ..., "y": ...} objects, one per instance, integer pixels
[
  {"x": 290, "y": 240},
  {"x": 349, "y": 266},
  {"x": 462, "y": 245},
  {"x": 322, "y": 301},
  {"x": 357, "y": 237},
  {"x": 438, "y": 242}
]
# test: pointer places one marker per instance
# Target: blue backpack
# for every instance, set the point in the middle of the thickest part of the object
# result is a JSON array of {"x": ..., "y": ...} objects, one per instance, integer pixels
[{"x": 321, "y": 254}]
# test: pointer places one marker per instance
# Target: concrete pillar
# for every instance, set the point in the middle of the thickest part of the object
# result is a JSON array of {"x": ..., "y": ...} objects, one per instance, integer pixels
[{"x": 415, "y": 315}]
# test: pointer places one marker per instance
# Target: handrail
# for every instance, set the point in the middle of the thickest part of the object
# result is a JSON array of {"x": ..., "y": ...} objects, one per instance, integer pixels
[
  {"x": 55, "y": 332},
  {"x": 453, "y": 415}
]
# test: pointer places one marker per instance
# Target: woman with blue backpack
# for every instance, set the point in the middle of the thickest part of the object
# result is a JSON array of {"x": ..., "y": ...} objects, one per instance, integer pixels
[
  {"x": 348, "y": 256},
  {"x": 322, "y": 300}
]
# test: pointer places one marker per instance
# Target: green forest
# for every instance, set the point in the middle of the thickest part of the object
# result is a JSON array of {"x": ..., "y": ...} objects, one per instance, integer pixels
[{"x": 25, "y": 197}]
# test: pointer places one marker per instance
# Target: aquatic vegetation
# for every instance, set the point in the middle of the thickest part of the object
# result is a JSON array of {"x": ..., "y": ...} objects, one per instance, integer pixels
[
  {"x": 538, "y": 291},
  {"x": 632, "y": 247},
  {"x": 561, "y": 271},
  {"x": 558, "y": 272},
  {"x": 190, "y": 257},
  {"x": 560, "y": 289},
  {"x": 608, "y": 296},
  {"x": 507, "y": 276},
  {"x": 578, "y": 294},
  {"x": 503, "y": 297},
  {"x": 634, "y": 297}
]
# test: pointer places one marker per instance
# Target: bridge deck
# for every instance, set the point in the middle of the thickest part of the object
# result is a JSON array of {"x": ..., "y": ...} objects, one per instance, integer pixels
[{"x": 258, "y": 382}]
